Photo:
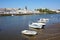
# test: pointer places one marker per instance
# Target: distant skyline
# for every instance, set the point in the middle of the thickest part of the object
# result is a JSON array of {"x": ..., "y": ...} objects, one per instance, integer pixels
[{"x": 31, "y": 4}]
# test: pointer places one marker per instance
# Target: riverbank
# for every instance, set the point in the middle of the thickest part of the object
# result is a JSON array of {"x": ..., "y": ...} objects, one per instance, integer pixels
[
  {"x": 51, "y": 32},
  {"x": 24, "y": 14},
  {"x": 18, "y": 14}
]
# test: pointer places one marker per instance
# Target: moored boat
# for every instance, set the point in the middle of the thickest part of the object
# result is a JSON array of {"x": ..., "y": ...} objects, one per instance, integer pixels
[
  {"x": 37, "y": 25},
  {"x": 12, "y": 15},
  {"x": 43, "y": 20},
  {"x": 29, "y": 32}
]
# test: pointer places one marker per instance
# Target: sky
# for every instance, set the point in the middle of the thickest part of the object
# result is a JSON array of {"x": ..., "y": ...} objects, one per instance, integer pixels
[{"x": 31, "y": 4}]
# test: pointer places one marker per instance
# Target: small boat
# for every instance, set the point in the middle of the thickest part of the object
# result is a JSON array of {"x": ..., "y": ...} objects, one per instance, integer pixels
[
  {"x": 37, "y": 25},
  {"x": 29, "y": 32},
  {"x": 12, "y": 15},
  {"x": 43, "y": 20}
]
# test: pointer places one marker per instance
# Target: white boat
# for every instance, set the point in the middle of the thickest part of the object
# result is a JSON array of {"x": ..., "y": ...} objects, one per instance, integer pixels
[
  {"x": 12, "y": 15},
  {"x": 43, "y": 20},
  {"x": 29, "y": 32},
  {"x": 37, "y": 25}
]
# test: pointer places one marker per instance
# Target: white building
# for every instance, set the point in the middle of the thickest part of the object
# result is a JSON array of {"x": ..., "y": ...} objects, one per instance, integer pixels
[
  {"x": 27, "y": 11},
  {"x": 56, "y": 11}
]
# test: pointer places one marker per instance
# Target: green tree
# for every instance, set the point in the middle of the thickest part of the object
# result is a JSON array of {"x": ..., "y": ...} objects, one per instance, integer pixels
[
  {"x": 45, "y": 10},
  {"x": 19, "y": 8}
]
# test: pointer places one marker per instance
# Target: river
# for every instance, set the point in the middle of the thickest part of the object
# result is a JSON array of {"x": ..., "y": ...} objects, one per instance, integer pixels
[{"x": 11, "y": 26}]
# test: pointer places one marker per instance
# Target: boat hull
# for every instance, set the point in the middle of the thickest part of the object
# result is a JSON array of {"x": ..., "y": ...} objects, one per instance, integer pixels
[{"x": 29, "y": 32}]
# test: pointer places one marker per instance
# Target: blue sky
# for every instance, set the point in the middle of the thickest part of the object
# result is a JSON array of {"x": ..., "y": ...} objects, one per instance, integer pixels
[{"x": 31, "y": 4}]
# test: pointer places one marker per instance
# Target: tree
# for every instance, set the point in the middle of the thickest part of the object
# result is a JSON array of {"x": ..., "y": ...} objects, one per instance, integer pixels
[
  {"x": 58, "y": 9},
  {"x": 19, "y": 8},
  {"x": 45, "y": 10}
]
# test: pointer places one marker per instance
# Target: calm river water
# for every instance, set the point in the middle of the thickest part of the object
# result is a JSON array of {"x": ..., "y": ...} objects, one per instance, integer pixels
[{"x": 11, "y": 26}]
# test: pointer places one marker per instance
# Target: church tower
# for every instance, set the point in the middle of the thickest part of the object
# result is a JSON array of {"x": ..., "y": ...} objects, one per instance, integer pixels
[{"x": 25, "y": 7}]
